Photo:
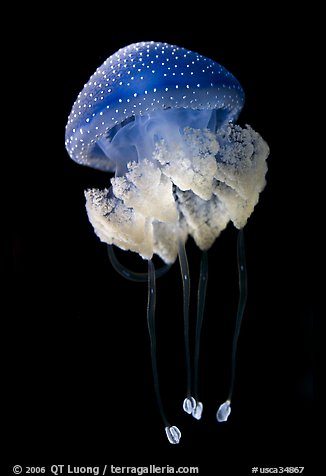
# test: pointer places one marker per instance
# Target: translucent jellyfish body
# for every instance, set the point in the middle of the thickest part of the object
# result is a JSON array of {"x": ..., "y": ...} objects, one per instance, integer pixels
[{"x": 162, "y": 119}]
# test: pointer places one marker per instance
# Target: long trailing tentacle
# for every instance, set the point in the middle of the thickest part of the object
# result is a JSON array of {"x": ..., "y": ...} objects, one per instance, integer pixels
[
  {"x": 243, "y": 293},
  {"x": 184, "y": 267},
  {"x": 202, "y": 288},
  {"x": 189, "y": 403},
  {"x": 172, "y": 432},
  {"x": 225, "y": 409},
  {"x": 201, "y": 299},
  {"x": 151, "y": 304}
]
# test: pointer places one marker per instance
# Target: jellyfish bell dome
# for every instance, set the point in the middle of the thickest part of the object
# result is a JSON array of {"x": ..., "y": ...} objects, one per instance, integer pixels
[{"x": 143, "y": 79}]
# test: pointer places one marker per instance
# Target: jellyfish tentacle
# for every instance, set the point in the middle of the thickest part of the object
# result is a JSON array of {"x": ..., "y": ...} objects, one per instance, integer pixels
[
  {"x": 243, "y": 293},
  {"x": 189, "y": 403},
  {"x": 202, "y": 288},
  {"x": 172, "y": 432},
  {"x": 225, "y": 409},
  {"x": 184, "y": 267},
  {"x": 130, "y": 274},
  {"x": 151, "y": 304}
]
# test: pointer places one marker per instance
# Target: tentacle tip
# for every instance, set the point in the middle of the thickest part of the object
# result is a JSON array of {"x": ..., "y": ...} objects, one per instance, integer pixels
[
  {"x": 173, "y": 434},
  {"x": 224, "y": 411},
  {"x": 197, "y": 411},
  {"x": 189, "y": 405}
]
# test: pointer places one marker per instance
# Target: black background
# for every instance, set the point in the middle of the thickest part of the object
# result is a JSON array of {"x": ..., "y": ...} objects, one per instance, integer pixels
[{"x": 77, "y": 368}]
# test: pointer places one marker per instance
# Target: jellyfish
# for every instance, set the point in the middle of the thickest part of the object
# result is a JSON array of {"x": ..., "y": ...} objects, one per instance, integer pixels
[{"x": 161, "y": 119}]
